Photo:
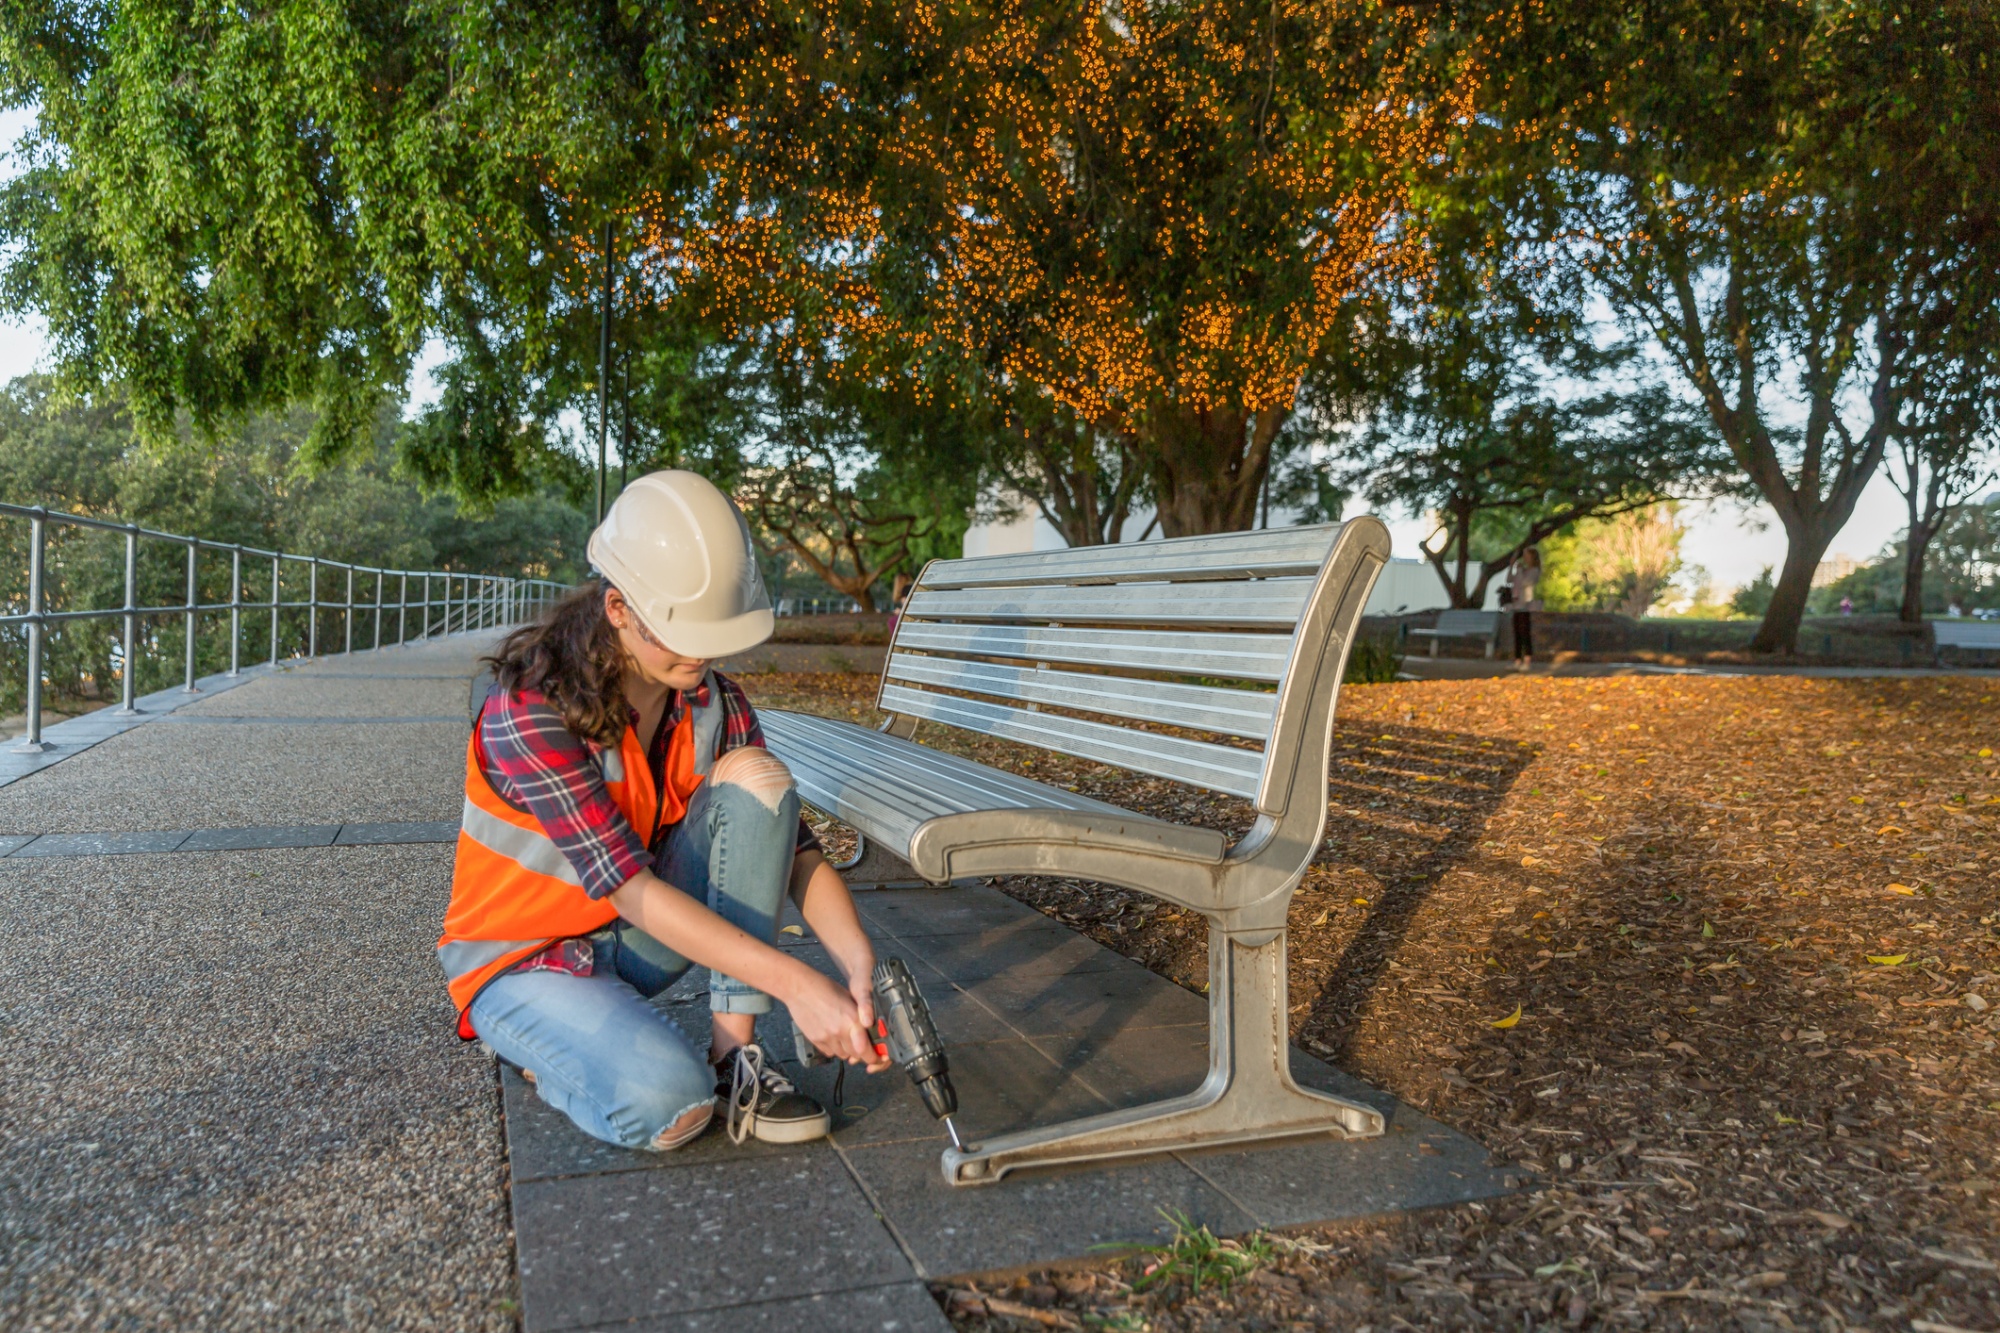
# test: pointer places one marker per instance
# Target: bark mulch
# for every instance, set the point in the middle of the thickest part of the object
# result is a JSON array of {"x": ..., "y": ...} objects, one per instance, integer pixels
[{"x": 1716, "y": 959}]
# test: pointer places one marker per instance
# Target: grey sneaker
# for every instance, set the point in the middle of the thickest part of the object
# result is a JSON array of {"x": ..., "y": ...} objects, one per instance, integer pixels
[{"x": 757, "y": 1100}]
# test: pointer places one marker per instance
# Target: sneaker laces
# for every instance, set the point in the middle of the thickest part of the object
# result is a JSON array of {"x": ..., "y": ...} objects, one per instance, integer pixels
[{"x": 750, "y": 1081}]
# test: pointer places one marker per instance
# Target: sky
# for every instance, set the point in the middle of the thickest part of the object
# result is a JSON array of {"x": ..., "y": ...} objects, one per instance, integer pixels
[{"x": 1733, "y": 543}]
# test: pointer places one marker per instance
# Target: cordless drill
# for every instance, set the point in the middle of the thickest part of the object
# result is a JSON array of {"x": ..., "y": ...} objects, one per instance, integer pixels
[
  {"x": 903, "y": 1033},
  {"x": 903, "y": 1020}
]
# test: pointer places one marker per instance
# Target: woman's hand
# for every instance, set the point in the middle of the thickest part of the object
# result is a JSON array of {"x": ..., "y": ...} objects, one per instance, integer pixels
[
  {"x": 861, "y": 985},
  {"x": 831, "y": 1019}
]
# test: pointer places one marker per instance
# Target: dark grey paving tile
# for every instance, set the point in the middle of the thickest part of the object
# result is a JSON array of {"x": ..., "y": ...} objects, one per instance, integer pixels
[
  {"x": 1136, "y": 1066},
  {"x": 958, "y": 910},
  {"x": 1117, "y": 997},
  {"x": 1033, "y": 1217},
  {"x": 542, "y": 1143},
  {"x": 360, "y": 835},
  {"x": 245, "y": 839},
  {"x": 14, "y": 842},
  {"x": 1418, "y": 1163},
  {"x": 906, "y": 1307},
  {"x": 1001, "y": 1085},
  {"x": 651, "y": 1244},
  {"x": 1040, "y": 947},
  {"x": 103, "y": 844}
]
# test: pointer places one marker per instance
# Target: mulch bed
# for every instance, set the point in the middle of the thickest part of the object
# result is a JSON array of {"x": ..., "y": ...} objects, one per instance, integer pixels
[{"x": 1751, "y": 930}]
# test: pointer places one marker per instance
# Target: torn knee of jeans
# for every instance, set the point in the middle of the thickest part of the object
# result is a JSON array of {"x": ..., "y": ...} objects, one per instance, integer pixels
[
  {"x": 757, "y": 771},
  {"x": 685, "y": 1130}
]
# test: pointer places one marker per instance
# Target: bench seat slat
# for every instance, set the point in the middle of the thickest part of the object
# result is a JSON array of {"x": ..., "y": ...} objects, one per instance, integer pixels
[
  {"x": 1227, "y": 556},
  {"x": 1273, "y": 602},
  {"x": 1182, "y": 652},
  {"x": 1201, "y": 707},
  {"x": 887, "y": 787},
  {"x": 1220, "y": 768}
]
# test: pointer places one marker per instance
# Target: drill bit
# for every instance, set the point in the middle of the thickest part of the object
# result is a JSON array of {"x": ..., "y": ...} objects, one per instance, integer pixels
[{"x": 952, "y": 1130}]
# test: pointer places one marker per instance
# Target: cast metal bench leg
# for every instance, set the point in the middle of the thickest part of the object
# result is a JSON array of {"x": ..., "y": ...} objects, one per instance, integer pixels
[
  {"x": 1248, "y": 1095},
  {"x": 872, "y": 868}
]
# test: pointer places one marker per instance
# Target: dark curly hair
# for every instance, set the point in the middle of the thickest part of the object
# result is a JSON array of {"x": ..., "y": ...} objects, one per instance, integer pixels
[{"x": 572, "y": 658}]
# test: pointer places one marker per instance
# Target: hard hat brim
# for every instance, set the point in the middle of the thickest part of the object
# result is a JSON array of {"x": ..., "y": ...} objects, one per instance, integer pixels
[{"x": 716, "y": 639}]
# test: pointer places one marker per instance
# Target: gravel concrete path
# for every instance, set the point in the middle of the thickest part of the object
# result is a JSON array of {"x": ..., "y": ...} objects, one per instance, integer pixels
[{"x": 232, "y": 1096}]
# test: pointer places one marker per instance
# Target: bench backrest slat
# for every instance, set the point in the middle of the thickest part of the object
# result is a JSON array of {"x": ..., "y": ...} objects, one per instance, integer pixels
[
  {"x": 1965, "y": 634},
  {"x": 1083, "y": 651},
  {"x": 1220, "y": 768},
  {"x": 1234, "y": 555},
  {"x": 1194, "y": 652},
  {"x": 1206, "y": 708},
  {"x": 1467, "y": 622},
  {"x": 1268, "y": 602}
]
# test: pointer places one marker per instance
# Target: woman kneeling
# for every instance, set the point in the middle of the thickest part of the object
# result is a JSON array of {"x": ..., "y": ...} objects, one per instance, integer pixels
[{"x": 623, "y": 823}]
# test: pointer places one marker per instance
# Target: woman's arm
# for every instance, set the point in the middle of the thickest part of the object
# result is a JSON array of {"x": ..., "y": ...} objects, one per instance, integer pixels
[
  {"x": 828, "y": 1015},
  {"x": 828, "y": 907}
]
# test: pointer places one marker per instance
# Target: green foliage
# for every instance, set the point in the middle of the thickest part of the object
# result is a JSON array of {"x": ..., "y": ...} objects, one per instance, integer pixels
[
  {"x": 1196, "y": 1259},
  {"x": 1373, "y": 661},
  {"x": 1754, "y": 598},
  {"x": 1962, "y": 565},
  {"x": 248, "y": 486},
  {"x": 1621, "y": 564}
]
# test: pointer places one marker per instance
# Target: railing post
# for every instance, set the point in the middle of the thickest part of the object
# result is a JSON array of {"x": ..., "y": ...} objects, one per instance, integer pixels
[
  {"x": 403, "y": 608},
  {"x": 447, "y": 603},
  {"x": 380, "y": 575},
  {"x": 129, "y": 688},
  {"x": 312, "y": 597},
  {"x": 427, "y": 606},
  {"x": 187, "y": 687},
  {"x": 348, "y": 615},
  {"x": 33, "y": 743},
  {"x": 276, "y": 563},
  {"x": 235, "y": 610}
]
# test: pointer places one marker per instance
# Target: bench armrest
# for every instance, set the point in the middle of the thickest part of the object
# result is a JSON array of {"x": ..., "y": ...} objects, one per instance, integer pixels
[{"x": 1135, "y": 852}]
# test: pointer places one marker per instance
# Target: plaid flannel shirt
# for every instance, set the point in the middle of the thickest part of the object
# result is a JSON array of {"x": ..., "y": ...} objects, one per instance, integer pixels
[{"x": 541, "y": 766}]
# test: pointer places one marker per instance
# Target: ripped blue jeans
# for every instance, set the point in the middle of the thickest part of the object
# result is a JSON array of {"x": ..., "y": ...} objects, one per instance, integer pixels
[{"x": 600, "y": 1052}]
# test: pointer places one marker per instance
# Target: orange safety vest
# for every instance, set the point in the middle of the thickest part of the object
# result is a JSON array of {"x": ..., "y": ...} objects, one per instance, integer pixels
[{"x": 514, "y": 893}]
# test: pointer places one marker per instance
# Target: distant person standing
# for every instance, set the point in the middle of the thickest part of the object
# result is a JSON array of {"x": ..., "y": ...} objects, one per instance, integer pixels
[{"x": 1521, "y": 581}]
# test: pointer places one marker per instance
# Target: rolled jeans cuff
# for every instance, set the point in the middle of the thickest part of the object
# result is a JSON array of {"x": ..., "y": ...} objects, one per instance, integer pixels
[{"x": 727, "y": 995}]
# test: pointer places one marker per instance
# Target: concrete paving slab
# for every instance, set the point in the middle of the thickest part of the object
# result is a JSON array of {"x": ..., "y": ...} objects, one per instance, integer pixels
[
  {"x": 102, "y": 844},
  {"x": 1014, "y": 1086},
  {"x": 372, "y": 835},
  {"x": 542, "y": 1144},
  {"x": 1035, "y": 948},
  {"x": 905, "y": 1307},
  {"x": 1034, "y": 1217},
  {"x": 13, "y": 842},
  {"x": 648, "y": 1244},
  {"x": 1116, "y": 997},
  {"x": 913, "y": 913},
  {"x": 256, "y": 839}
]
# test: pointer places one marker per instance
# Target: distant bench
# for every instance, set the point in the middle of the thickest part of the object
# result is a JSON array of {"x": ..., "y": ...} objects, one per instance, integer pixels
[
  {"x": 1979, "y": 636},
  {"x": 1115, "y": 654},
  {"x": 1464, "y": 625}
]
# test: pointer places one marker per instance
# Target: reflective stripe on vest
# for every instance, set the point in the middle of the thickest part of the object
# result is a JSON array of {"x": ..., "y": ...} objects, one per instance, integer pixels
[{"x": 513, "y": 891}]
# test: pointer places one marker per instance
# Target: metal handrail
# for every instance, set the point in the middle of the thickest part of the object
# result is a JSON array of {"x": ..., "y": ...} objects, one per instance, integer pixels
[{"x": 482, "y": 601}]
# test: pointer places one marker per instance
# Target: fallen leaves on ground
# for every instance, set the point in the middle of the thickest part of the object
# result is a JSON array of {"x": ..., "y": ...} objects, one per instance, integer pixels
[{"x": 1775, "y": 1082}]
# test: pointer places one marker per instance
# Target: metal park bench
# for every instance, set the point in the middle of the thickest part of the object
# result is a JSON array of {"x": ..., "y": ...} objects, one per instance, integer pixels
[
  {"x": 1463, "y": 625},
  {"x": 1978, "y": 636},
  {"x": 1116, "y": 654}
]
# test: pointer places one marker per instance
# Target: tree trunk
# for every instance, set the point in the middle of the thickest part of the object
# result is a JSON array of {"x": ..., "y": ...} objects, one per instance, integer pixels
[
  {"x": 1805, "y": 546},
  {"x": 1209, "y": 466}
]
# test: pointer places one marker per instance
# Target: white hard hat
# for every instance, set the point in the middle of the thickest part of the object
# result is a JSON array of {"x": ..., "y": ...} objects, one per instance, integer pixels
[{"x": 678, "y": 549}]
